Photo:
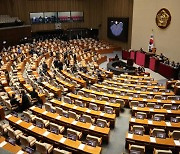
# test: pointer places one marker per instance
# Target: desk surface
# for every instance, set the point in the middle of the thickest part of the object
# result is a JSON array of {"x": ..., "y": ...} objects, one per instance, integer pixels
[
  {"x": 171, "y": 93},
  {"x": 54, "y": 138}
]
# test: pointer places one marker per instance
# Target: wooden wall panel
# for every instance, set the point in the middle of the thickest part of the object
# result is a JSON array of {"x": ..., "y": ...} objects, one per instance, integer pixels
[
  {"x": 116, "y": 8},
  {"x": 96, "y": 13}
]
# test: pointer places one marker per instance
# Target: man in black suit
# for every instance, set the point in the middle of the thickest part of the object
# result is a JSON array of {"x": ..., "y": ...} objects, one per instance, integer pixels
[
  {"x": 14, "y": 101},
  {"x": 44, "y": 67}
]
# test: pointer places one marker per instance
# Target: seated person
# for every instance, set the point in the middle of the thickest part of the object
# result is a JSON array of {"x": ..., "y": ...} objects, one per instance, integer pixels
[
  {"x": 116, "y": 57},
  {"x": 14, "y": 101}
]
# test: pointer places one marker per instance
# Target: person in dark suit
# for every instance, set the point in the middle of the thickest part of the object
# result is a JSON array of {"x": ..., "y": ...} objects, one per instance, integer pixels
[
  {"x": 44, "y": 67},
  {"x": 56, "y": 63},
  {"x": 14, "y": 101},
  {"x": 25, "y": 101},
  {"x": 60, "y": 65},
  {"x": 35, "y": 97}
]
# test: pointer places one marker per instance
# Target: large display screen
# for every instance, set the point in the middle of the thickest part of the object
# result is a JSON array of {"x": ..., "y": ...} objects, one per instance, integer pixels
[{"x": 118, "y": 28}]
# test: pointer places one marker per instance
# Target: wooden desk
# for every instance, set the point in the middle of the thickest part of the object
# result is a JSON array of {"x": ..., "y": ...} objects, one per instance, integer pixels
[
  {"x": 9, "y": 91},
  {"x": 29, "y": 88},
  {"x": 128, "y": 98},
  {"x": 82, "y": 82},
  {"x": 92, "y": 79},
  {"x": 151, "y": 142},
  {"x": 134, "y": 85},
  {"x": 71, "y": 87},
  {"x": 136, "y": 81},
  {"x": 135, "y": 76},
  {"x": 86, "y": 128},
  {"x": 149, "y": 123},
  {"x": 115, "y": 106},
  {"x": 171, "y": 93},
  {"x": 53, "y": 89},
  {"x": 9, "y": 147},
  {"x": 52, "y": 138},
  {"x": 108, "y": 73},
  {"x": 80, "y": 110},
  {"x": 151, "y": 112}
]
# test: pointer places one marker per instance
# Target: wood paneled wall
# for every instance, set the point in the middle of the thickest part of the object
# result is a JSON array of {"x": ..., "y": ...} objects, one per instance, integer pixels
[
  {"x": 96, "y": 13},
  {"x": 116, "y": 8}
]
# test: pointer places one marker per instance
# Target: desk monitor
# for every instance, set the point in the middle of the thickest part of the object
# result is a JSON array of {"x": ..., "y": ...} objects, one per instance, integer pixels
[
  {"x": 174, "y": 107},
  {"x": 39, "y": 124},
  {"x": 161, "y": 135},
  {"x": 11, "y": 141},
  {"x": 141, "y": 105},
  {"x": 109, "y": 111},
  {"x": 91, "y": 142},
  {"x": 26, "y": 119},
  {"x": 134, "y": 152},
  {"x": 138, "y": 132},
  {"x": 72, "y": 136},
  {"x": 156, "y": 118},
  {"x": 101, "y": 124},
  {"x": 82, "y": 119},
  {"x": 157, "y": 106},
  {"x": 65, "y": 114},
  {"x": 175, "y": 120},
  {"x": 54, "y": 130},
  {"x": 139, "y": 116},
  {"x": 29, "y": 149}
]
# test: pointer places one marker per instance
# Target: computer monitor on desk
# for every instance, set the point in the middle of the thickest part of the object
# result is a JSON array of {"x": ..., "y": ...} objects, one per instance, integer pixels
[
  {"x": 134, "y": 152},
  {"x": 175, "y": 120},
  {"x": 72, "y": 136},
  {"x": 82, "y": 119},
  {"x": 161, "y": 135},
  {"x": 138, "y": 132},
  {"x": 91, "y": 143}
]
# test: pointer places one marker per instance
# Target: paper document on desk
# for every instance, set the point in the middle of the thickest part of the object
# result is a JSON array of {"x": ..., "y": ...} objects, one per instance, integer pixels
[
  {"x": 177, "y": 142},
  {"x": 168, "y": 123},
  {"x": 130, "y": 135},
  {"x": 81, "y": 146},
  {"x": 153, "y": 139}
]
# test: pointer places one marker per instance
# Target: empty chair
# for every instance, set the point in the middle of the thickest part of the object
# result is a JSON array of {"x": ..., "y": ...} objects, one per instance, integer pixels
[
  {"x": 94, "y": 88},
  {"x": 155, "y": 132},
  {"x": 117, "y": 92},
  {"x": 43, "y": 148},
  {"x": 136, "y": 95},
  {"x": 104, "y": 98},
  {"x": 92, "y": 96},
  {"x": 108, "y": 110},
  {"x": 175, "y": 134},
  {"x": 86, "y": 118},
  {"x": 93, "y": 140},
  {"x": 150, "y": 105},
  {"x": 158, "y": 117},
  {"x": 56, "y": 128},
  {"x": 49, "y": 107},
  {"x": 105, "y": 90},
  {"x": 130, "y": 94},
  {"x": 93, "y": 106},
  {"x": 81, "y": 93},
  {"x": 59, "y": 151},
  {"x": 150, "y": 96},
  {"x": 41, "y": 122},
  {"x": 133, "y": 103},
  {"x": 156, "y": 151},
  {"x": 48, "y": 94},
  {"x": 28, "y": 117},
  {"x": 102, "y": 123},
  {"x": 67, "y": 100},
  {"x": 3, "y": 128},
  {"x": 59, "y": 110},
  {"x": 167, "y": 106},
  {"x": 138, "y": 129},
  {"x": 136, "y": 148},
  {"x": 173, "y": 97},
  {"x": 27, "y": 141},
  {"x": 73, "y": 134},
  {"x": 80, "y": 103},
  {"x": 15, "y": 134},
  {"x": 141, "y": 115},
  {"x": 157, "y": 97},
  {"x": 121, "y": 102},
  {"x": 73, "y": 115},
  {"x": 143, "y": 95},
  {"x": 63, "y": 88}
]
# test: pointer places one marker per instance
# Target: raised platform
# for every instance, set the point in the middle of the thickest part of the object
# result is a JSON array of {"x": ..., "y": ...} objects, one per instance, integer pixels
[{"x": 119, "y": 67}]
